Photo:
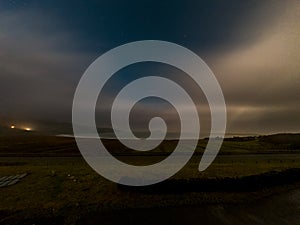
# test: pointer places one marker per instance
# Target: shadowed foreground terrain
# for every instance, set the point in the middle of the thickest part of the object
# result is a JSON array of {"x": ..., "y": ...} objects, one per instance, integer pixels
[{"x": 254, "y": 180}]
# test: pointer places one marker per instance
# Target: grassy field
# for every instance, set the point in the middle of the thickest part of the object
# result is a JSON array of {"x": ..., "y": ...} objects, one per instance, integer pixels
[
  {"x": 35, "y": 144},
  {"x": 57, "y": 182},
  {"x": 67, "y": 189}
]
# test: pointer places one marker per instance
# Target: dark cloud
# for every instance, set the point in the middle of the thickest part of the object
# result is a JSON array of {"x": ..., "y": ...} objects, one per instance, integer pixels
[
  {"x": 251, "y": 46},
  {"x": 38, "y": 71}
]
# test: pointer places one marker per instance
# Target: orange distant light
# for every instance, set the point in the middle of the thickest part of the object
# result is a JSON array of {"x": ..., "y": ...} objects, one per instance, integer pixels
[
  {"x": 12, "y": 127},
  {"x": 28, "y": 129}
]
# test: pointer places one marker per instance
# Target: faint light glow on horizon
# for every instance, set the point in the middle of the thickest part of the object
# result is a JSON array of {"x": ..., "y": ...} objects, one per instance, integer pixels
[
  {"x": 12, "y": 127},
  {"x": 28, "y": 129}
]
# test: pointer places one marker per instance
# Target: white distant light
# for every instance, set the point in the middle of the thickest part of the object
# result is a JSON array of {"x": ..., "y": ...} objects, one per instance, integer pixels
[
  {"x": 12, "y": 127},
  {"x": 28, "y": 129}
]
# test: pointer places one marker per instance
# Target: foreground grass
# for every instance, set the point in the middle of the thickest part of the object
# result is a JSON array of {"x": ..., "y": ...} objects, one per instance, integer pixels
[
  {"x": 65, "y": 190},
  {"x": 54, "y": 183}
]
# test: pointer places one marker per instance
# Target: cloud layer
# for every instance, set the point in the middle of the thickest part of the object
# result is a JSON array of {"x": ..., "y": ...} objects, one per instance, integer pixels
[{"x": 257, "y": 64}]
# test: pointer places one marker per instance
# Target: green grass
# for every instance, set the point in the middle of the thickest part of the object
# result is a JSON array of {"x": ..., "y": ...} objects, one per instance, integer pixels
[
  {"x": 34, "y": 144},
  {"x": 57, "y": 186},
  {"x": 60, "y": 182}
]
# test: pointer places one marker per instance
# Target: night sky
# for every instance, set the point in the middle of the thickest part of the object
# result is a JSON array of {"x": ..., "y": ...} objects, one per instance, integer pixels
[{"x": 253, "y": 48}]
